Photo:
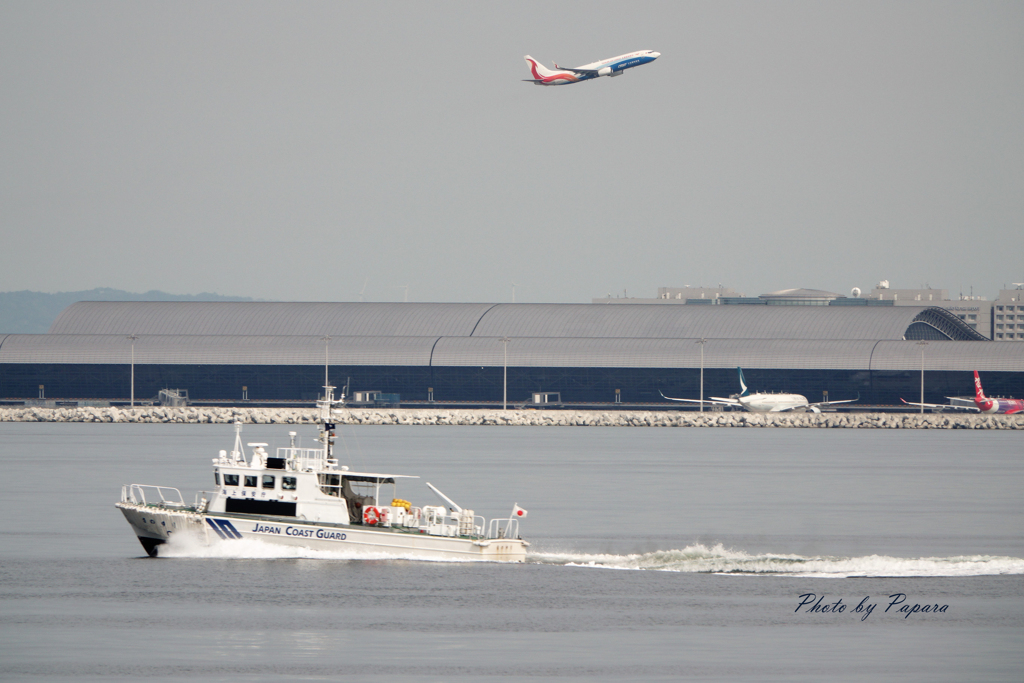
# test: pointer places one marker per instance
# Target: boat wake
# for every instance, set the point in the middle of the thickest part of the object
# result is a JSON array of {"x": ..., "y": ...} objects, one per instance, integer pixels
[
  {"x": 720, "y": 560},
  {"x": 695, "y": 559}
]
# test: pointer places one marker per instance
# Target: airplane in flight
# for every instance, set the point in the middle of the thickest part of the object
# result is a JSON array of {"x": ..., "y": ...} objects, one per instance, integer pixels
[
  {"x": 982, "y": 404},
  {"x": 606, "y": 67},
  {"x": 764, "y": 403}
]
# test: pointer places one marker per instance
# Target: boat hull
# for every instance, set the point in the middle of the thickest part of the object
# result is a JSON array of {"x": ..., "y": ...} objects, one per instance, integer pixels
[{"x": 156, "y": 525}]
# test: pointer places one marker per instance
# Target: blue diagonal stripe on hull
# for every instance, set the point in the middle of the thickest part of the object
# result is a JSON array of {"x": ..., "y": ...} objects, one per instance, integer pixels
[
  {"x": 215, "y": 528},
  {"x": 229, "y": 528}
]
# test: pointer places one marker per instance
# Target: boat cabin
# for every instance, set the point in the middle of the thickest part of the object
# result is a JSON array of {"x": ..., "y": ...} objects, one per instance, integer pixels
[{"x": 308, "y": 484}]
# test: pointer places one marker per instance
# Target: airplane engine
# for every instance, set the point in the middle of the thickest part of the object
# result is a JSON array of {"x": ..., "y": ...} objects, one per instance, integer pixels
[
  {"x": 815, "y": 409},
  {"x": 607, "y": 71}
]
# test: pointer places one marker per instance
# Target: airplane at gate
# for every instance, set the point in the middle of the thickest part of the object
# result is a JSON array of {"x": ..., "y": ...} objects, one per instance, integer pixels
[
  {"x": 982, "y": 404},
  {"x": 606, "y": 67},
  {"x": 764, "y": 403}
]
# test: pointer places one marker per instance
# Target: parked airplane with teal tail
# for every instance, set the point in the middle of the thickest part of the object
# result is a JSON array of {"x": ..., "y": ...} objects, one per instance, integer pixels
[{"x": 764, "y": 402}]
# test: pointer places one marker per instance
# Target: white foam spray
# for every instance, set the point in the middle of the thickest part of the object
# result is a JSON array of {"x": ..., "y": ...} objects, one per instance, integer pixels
[
  {"x": 189, "y": 547},
  {"x": 697, "y": 559},
  {"x": 720, "y": 560}
]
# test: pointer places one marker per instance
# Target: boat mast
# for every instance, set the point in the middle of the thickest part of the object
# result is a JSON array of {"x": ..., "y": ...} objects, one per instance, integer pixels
[
  {"x": 326, "y": 339},
  {"x": 237, "y": 454},
  {"x": 325, "y": 404},
  {"x": 326, "y": 426}
]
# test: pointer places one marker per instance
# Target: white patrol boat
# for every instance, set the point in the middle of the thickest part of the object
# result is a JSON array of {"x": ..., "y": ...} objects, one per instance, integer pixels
[{"x": 302, "y": 497}]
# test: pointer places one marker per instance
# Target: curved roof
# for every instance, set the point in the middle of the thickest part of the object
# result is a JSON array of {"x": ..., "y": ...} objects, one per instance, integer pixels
[
  {"x": 260, "y": 318},
  {"x": 940, "y": 324},
  {"x": 215, "y": 350},
  {"x": 653, "y": 353},
  {"x": 729, "y": 353},
  {"x": 277, "y": 350},
  {"x": 946, "y": 355},
  {"x": 267, "y": 318},
  {"x": 685, "y": 321}
]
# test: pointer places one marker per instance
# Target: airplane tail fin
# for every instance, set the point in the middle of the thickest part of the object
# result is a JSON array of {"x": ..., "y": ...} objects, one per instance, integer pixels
[
  {"x": 743, "y": 385},
  {"x": 538, "y": 70},
  {"x": 979, "y": 393}
]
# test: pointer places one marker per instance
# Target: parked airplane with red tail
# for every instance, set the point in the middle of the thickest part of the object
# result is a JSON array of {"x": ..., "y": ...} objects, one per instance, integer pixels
[{"x": 982, "y": 403}]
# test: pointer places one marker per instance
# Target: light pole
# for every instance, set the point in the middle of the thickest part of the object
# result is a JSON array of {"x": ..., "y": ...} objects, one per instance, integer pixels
[
  {"x": 702, "y": 341},
  {"x": 922, "y": 344},
  {"x": 132, "y": 338},
  {"x": 504, "y": 382}
]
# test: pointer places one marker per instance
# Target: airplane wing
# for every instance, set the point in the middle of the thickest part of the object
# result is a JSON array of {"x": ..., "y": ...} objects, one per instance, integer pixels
[
  {"x": 723, "y": 401},
  {"x": 813, "y": 407},
  {"x": 943, "y": 406},
  {"x": 832, "y": 403}
]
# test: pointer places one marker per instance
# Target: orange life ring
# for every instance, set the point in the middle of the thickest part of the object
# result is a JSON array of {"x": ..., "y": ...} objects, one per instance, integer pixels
[{"x": 371, "y": 515}]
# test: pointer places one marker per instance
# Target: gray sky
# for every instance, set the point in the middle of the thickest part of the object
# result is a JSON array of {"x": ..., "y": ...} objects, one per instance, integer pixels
[{"x": 296, "y": 151}]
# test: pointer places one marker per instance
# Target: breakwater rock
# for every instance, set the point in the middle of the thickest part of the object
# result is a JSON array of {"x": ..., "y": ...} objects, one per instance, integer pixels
[{"x": 538, "y": 418}]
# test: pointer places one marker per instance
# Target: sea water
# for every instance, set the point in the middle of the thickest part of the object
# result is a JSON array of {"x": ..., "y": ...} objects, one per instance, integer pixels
[{"x": 656, "y": 554}]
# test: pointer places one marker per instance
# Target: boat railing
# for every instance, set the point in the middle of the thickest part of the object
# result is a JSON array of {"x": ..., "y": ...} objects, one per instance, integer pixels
[
  {"x": 158, "y": 495},
  {"x": 503, "y": 527},
  {"x": 478, "y": 528},
  {"x": 465, "y": 524},
  {"x": 202, "y": 500},
  {"x": 306, "y": 459}
]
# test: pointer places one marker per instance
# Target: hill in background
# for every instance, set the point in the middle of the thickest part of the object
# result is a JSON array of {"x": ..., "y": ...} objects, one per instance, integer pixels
[{"x": 33, "y": 312}]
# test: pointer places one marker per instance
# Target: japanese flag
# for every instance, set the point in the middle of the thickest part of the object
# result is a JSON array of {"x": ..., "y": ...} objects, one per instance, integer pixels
[{"x": 518, "y": 511}]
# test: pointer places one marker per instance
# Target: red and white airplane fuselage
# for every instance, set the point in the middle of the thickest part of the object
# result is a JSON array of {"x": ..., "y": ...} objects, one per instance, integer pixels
[
  {"x": 1009, "y": 406},
  {"x": 982, "y": 403}
]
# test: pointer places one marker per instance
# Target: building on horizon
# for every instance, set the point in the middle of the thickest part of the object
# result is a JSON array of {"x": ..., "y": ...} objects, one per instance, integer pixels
[
  {"x": 998, "y": 320},
  {"x": 1007, "y": 315},
  {"x": 675, "y": 295},
  {"x": 975, "y": 311}
]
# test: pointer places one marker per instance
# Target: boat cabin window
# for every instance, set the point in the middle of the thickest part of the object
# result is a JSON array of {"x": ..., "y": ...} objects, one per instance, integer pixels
[
  {"x": 216, "y": 478},
  {"x": 330, "y": 484},
  {"x": 250, "y": 480},
  {"x": 268, "y": 481},
  {"x": 288, "y": 483},
  {"x": 231, "y": 480}
]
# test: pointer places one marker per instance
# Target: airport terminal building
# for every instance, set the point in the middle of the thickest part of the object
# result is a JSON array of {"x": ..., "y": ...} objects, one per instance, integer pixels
[{"x": 455, "y": 354}]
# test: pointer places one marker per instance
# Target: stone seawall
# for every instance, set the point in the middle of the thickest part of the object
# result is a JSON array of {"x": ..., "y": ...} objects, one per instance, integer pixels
[{"x": 540, "y": 418}]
